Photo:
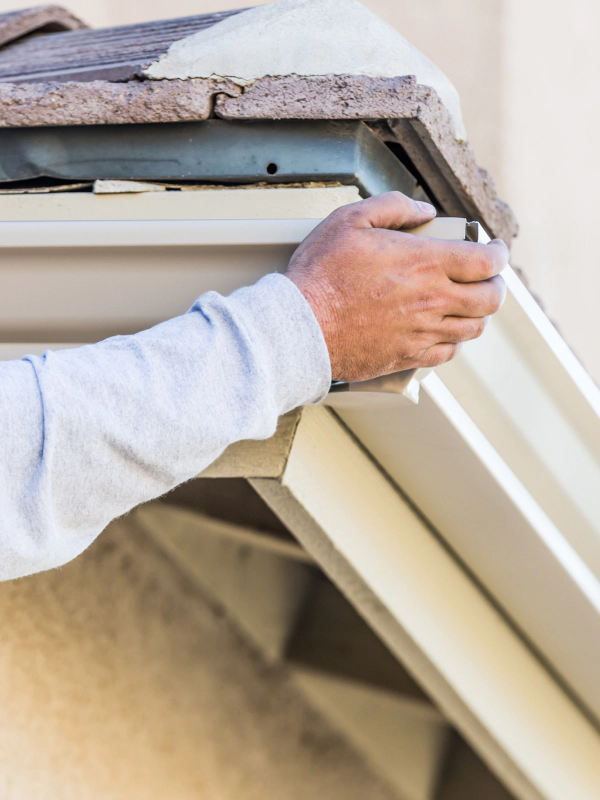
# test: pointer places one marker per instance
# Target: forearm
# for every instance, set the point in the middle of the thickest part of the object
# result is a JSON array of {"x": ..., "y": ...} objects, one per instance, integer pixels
[{"x": 87, "y": 434}]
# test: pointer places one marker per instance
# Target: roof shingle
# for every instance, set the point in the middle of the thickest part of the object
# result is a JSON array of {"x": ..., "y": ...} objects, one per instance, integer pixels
[
  {"x": 119, "y": 53},
  {"x": 16, "y": 24}
]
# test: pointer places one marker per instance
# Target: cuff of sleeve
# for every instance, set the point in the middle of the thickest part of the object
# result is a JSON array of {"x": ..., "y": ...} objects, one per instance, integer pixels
[{"x": 284, "y": 326}]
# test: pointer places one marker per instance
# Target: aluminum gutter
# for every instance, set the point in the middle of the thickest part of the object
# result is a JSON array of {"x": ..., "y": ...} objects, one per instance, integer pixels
[
  {"x": 501, "y": 455},
  {"x": 153, "y": 233}
]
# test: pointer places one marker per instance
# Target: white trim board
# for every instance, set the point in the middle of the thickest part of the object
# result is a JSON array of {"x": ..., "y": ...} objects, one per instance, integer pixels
[
  {"x": 81, "y": 267},
  {"x": 502, "y": 455},
  {"x": 106, "y": 234},
  {"x": 432, "y": 616}
]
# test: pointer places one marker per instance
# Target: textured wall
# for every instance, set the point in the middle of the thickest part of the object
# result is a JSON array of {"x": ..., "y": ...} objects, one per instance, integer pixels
[
  {"x": 551, "y": 165},
  {"x": 118, "y": 681}
]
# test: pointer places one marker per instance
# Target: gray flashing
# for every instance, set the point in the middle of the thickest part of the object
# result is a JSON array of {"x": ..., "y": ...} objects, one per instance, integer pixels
[{"x": 214, "y": 151}]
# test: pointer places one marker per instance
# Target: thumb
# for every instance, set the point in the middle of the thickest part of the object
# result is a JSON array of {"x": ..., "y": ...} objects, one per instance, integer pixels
[{"x": 393, "y": 210}]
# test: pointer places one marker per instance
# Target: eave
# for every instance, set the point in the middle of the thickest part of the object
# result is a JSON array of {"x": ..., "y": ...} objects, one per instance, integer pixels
[{"x": 398, "y": 109}]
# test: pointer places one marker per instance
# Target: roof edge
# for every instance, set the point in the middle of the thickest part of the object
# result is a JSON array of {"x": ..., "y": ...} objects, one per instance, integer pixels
[
  {"x": 399, "y": 110},
  {"x": 403, "y": 111}
]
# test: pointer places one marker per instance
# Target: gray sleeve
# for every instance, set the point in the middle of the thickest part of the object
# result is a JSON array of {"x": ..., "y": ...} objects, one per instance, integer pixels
[{"x": 89, "y": 433}]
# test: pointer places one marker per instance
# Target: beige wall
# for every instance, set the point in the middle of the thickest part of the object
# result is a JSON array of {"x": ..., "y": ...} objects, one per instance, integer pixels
[
  {"x": 551, "y": 160},
  {"x": 118, "y": 681},
  {"x": 528, "y": 73}
]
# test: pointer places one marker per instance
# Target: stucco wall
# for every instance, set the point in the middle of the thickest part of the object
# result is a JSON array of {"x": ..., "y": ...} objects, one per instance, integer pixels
[{"x": 119, "y": 681}]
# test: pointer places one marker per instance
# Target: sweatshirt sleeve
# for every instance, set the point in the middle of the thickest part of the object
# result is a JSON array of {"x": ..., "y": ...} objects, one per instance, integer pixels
[{"x": 89, "y": 433}]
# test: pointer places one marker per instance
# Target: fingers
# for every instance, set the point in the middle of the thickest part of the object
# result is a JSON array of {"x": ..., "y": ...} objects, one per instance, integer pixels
[
  {"x": 454, "y": 330},
  {"x": 392, "y": 210},
  {"x": 466, "y": 262},
  {"x": 439, "y": 354},
  {"x": 480, "y": 299}
]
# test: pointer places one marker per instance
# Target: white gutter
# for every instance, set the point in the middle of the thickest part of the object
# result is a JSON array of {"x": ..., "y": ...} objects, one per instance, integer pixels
[
  {"x": 153, "y": 233},
  {"x": 502, "y": 456},
  {"x": 432, "y": 615}
]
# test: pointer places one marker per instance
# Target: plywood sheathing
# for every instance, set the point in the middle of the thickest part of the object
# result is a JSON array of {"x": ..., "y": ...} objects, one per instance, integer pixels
[
  {"x": 105, "y": 103},
  {"x": 398, "y": 109},
  {"x": 16, "y": 24}
]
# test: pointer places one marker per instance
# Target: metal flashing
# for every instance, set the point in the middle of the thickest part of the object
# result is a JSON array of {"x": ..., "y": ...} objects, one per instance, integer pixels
[{"x": 214, "y": 151}]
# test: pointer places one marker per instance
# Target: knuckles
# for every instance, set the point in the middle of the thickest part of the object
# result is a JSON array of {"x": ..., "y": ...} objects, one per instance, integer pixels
[{"x": 479, "y": 327}]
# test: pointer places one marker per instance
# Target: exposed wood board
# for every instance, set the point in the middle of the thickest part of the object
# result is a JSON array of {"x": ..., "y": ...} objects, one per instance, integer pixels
[
  {"x": 36, "y": 190},
  {"x": 443, "y": 187},
  {"x": 251, "y": 459},
  {"x": 404, "y": 746},
  {"x": 108, "y": 53},
  {"x": 432, "y": 616},
  {"x": 16, "y": 24},
  {"x": 258, "y": 584}
]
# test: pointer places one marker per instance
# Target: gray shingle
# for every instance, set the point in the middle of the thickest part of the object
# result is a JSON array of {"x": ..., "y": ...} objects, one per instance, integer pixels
[
  {"x": 16, "y": 24},
  {"x": 119, "y": 53}
]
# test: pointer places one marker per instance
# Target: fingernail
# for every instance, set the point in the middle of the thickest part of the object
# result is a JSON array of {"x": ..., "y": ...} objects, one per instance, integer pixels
[{"x": 426, "y": 207}]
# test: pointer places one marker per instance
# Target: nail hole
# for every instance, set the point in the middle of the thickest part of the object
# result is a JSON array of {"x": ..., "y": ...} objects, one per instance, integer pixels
[{"x": 272, "y": 169}]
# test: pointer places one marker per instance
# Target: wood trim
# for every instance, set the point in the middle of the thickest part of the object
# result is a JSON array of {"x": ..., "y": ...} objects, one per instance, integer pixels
[{"x": 257, "y": 459}]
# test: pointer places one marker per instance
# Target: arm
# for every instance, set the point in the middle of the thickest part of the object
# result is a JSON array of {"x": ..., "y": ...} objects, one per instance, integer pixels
[{"x": 87, "y": 434}]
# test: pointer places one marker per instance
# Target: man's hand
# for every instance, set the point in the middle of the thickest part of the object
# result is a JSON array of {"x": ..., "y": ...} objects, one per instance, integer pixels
[{"x": 387, "y": 300}]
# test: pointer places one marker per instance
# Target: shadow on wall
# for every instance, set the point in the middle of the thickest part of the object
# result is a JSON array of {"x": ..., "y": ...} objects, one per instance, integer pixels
[{"x": 119, "y": 680}]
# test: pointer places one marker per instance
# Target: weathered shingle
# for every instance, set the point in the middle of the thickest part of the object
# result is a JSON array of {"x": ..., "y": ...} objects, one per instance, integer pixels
[
  {"x": 119, "y": 53},
  {"x": 16, "y": 24}
]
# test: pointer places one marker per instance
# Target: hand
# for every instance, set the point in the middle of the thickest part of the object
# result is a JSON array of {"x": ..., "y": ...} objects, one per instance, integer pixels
[{"x": 387, "y": 300}]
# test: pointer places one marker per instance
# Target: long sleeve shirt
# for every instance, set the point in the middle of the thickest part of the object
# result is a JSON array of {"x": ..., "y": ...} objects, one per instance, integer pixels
[{"x": 87, "y": 434}]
